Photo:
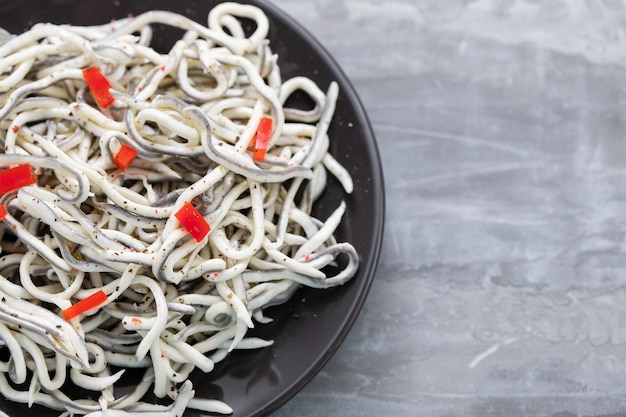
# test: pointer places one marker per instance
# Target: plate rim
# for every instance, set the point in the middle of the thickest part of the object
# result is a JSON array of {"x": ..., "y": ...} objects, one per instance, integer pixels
[
  {"x": 369, "y": 261},
  {"x": 379, "y": 194}
]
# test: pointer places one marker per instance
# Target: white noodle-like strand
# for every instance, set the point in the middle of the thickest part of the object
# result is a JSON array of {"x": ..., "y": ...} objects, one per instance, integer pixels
[{"x": 174, "y": 302}]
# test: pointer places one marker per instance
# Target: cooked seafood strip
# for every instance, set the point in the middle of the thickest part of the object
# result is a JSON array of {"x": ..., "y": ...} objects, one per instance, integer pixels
[{"x": 153, "y": 205}]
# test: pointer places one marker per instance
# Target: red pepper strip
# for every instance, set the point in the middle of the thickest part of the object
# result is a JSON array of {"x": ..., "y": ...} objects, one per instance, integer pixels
[
  {"x": 94, "y": 300},
  {"x": 99, "y": 86},
  {"x": 124, "y": 157},
  {"x": 15, "y": 178},
  {"x": 263, "y": 133},
  {"x": 193, "y": 221},
  {"x": 3, "y": 211}
]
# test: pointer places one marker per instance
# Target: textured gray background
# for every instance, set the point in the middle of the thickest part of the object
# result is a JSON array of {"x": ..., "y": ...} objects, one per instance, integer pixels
[{"x": 502, "y": 132}]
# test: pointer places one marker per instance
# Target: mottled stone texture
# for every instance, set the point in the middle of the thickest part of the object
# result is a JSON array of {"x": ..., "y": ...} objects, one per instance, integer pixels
[{"x": 503, "y": 137}]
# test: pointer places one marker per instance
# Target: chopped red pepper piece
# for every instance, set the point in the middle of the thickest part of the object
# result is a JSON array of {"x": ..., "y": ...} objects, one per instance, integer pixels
[
  {"x": 263, "y": 133},
  {"x": 193, "y": 222},
  {"x": 3, "y": 211},
  {"x": 15, "y": 178},
  {"x": 93, "y": 301},
  {"x": 99, "y": 86},
  {"x": 124, "y": 157}
]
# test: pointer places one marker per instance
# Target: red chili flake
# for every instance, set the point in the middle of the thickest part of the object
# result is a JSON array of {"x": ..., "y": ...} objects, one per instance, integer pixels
[
  {"x": 13, "y": 179},
  {"x": 15, "y": 128},
  {"x": 262, "y": 138},
  {"x": 193, "y": 222},
  {"x": 93, "y": 301},
  {"x": 99, "y": 86},
  {"x": 124, "y": 157}
]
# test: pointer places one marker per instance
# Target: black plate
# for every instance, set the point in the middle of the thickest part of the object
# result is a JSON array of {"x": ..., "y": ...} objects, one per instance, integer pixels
[{"x": 308, "y": 329}]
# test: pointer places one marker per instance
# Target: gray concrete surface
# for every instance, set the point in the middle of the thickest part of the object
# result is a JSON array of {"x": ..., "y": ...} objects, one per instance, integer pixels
[{"x": 502, "y": 131}]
